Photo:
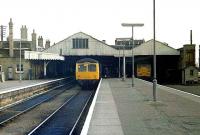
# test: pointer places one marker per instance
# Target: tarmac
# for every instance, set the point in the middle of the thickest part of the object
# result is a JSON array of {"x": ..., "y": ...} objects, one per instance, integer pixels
[{"x": 121, "y": 109}]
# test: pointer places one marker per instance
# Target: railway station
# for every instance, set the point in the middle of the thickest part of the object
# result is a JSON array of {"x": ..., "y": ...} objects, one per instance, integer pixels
[
  {"x": 59, "y": 59},
  {"x": 81, "y": 45},
  {"x": 39, "y": 93}
]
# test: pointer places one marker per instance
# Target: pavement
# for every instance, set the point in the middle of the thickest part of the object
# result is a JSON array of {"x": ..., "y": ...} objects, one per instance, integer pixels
[
  {"x": 123, "y": 110},
  {"x": 14, "y": 84}
]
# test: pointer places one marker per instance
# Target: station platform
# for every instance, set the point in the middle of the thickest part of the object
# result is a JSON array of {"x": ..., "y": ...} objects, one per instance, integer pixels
[
  {"x": 12, "y": 85},
  {"x": 120, "y": 109}
]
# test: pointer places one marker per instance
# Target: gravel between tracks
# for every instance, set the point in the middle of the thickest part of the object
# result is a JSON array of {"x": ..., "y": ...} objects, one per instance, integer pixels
[{"x": 24, "y": 123}]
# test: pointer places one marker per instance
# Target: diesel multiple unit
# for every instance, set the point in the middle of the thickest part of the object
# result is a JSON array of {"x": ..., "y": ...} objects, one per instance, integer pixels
[{"x": 87, "y": 72}]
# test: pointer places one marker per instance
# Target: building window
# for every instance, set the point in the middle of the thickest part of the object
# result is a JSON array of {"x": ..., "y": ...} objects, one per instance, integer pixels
[
  {"x": 18, "y": 68},
  {"x": 80, "y": 43},
  {"x": 60, "y": 51},
  {"x": 191, "y": 72}
]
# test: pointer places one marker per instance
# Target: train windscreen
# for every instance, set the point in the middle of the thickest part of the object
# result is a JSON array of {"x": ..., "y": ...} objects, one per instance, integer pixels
[
  {"x": 92, "y": 67},
  {"x": 82, "y": 68}
]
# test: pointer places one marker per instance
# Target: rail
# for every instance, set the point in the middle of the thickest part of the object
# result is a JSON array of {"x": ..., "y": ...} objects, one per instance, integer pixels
[
  {"x": 12, "y": 112},
  {"x": 71, "y": 110}
]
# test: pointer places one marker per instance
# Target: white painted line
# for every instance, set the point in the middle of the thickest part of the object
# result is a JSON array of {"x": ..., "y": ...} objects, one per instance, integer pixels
[
  {"x": 179, "y": 90},
  {"x": 190, "y": 96},
  {"x": 15, "y": 89},
  {"x": 90, "y": 112}
]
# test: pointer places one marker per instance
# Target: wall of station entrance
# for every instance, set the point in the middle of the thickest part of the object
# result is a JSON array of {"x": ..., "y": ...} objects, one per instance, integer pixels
[{"x": 167, "y": 67}]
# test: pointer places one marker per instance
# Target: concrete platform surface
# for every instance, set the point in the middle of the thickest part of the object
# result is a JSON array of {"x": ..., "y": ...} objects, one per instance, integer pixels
[
  {"x": 123, "y": 110},
  {"x": 14, "y": 84}
]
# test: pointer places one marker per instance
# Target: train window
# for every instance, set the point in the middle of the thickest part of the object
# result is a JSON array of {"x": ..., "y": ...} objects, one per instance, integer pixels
[
  {"x": 91, "y": 67},
  {"x": 82, "y": 68}
]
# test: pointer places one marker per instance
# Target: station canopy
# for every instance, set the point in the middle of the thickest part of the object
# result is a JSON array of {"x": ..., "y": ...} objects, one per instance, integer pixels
[{"x": 33, "y": 55}]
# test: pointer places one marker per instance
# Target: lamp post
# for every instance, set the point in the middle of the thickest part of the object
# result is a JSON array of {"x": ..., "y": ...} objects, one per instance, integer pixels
[
  {"x": 20, "y": 60},
  {"x": 119, "y": 64},
  {"x": 122, "y": 46},
  {"x": 124, "y": 64},
  {"x": 132, "y": 25},
  {"x": 154, "y": 54}
]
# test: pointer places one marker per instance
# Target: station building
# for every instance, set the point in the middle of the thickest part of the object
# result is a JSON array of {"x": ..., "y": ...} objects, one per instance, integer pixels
[
  {"x": 58, "y": 60},
  {"x": 32, "y": 65},
  {"x": 81, "y": 45}
]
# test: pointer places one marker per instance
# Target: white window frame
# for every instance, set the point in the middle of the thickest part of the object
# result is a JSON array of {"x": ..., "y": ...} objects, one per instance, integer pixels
[{"x": 17, "y": 71}]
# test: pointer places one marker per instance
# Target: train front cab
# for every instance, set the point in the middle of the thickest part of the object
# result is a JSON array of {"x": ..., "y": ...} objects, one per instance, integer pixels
[{"x": 87, "y": 74}]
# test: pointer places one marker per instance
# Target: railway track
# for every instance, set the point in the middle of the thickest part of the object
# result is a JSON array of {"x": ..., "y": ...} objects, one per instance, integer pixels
[
  {"x": 65, "y": 119},
  {"x": 12, "y": 112}
]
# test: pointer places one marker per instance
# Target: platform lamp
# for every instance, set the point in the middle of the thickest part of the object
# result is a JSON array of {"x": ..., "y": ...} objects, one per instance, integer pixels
[
  {"x": 132, "y": 25},
  {"x": 20, "y": 60},
  {"x": 154, "y": 54},
  {"x": 20, "y": 57}
]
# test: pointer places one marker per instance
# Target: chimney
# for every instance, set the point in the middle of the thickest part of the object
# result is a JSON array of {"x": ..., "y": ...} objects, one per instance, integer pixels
[
  {"x": 40, "y": 41},
  {"x": 11, "y": 44},
  {"x": 47, "y": 45},
  {"x": 2, "y": 34},
  {"x": 3, "y": 31},
  {"x": 191, "y": 37},
  {"x": 24, "y": 33},
  {"x": 33, "y": 45}
]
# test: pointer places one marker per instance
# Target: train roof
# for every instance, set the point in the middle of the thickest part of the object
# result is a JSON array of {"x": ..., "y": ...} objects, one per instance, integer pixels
[{"x": 87, "y": 60}]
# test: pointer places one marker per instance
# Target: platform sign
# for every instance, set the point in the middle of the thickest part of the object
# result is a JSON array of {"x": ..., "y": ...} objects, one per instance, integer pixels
[{"x": 143, "y": 70}]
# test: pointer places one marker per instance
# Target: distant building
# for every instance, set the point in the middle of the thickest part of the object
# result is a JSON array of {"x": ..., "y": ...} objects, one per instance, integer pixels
[
  {"x": 128, "y": 42},
  {"x": 187, "y": 64},
  {"x": 10, "y": 55},
  {"x": 187, "y": 55},
  {"x": 24, "y": 35},
  {"x": 47, "y": 44},
  {"x": 40, "y": 46}
]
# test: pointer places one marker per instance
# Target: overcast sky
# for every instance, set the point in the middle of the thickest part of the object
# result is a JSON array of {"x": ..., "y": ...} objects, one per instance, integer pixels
[{"x": 58, "y": 19}]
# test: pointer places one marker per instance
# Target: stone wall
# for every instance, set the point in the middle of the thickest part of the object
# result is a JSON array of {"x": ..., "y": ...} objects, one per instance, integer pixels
[{"x": 12, "y": 63}]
